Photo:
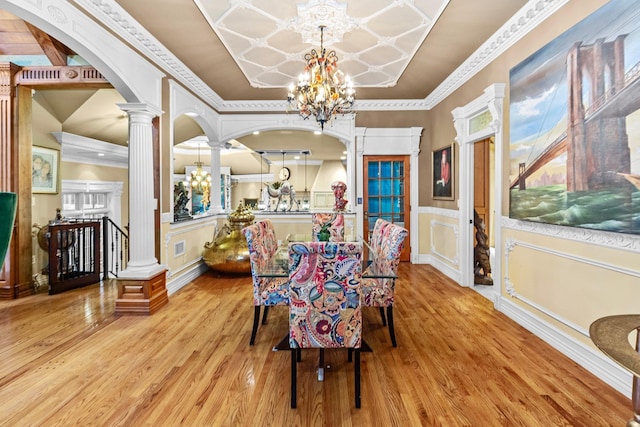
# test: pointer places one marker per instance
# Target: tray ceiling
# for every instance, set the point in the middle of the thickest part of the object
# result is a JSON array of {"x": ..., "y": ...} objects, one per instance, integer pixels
[{"x": 374, "y": 40}]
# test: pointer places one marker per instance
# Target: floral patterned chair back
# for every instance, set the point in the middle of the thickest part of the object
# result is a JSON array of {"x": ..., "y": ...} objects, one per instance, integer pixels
[
  {"x": 324, "y": 279},
  {"x": 325, "y": 312},
  {"x": 327, "y": 227},
  {"x": 387, "y": 241},
  {"x": 267, "y": 291}
]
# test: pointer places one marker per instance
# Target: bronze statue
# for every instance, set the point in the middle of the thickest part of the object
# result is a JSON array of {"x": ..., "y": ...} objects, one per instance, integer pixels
[
  {"x": 180, "y": 200},
  {"x": 482, "y": 265}
]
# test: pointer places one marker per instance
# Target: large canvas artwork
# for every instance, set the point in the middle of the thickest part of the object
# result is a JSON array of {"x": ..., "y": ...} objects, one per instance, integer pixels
[{"x": 575, "y": 125}]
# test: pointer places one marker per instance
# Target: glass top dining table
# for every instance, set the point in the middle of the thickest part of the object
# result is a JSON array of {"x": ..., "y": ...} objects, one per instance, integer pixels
[{"x": 278, "y": 265}]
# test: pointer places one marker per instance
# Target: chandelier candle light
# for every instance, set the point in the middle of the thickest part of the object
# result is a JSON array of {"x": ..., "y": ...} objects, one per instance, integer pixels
[
  {"x": 199, "y": 179},
  {"x": 322, "y": 90}
]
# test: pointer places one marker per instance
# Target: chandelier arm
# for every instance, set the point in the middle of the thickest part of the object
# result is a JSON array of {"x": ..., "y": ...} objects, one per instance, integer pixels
[{"x": 322, "y": 90}]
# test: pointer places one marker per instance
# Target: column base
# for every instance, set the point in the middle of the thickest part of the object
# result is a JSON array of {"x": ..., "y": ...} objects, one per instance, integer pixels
[
  {"x": 142, "y": 296},
  {"x": 16, "y": 291}
]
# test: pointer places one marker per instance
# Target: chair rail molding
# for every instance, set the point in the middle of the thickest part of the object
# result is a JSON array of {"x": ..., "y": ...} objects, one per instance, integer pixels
[{"x": 627, "y": 242}]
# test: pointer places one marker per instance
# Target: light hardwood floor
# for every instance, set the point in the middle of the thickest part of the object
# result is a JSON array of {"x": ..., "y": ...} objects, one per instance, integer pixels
[{"x": 68, "y": 360}]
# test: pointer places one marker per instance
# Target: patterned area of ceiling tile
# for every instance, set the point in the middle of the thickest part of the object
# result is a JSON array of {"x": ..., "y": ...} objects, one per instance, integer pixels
[{"x": 374, "y": 40}]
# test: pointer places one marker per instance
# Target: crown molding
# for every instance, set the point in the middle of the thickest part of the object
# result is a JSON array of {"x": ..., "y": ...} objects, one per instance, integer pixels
[
  {"x": 80, "y": 149},
  {"x": 111, "y": 14},
  {"x": 526, "y": 19}
]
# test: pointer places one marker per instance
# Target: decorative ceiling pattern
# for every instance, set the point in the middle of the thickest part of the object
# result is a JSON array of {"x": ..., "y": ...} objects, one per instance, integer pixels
[{"x": 374, "y": 40}]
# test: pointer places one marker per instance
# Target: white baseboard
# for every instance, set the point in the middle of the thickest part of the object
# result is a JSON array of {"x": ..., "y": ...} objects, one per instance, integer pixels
[
  {"x": 591, "y": 359},
  {"x": 174, "y": 284},
  {"x": 445, "y": 269}
]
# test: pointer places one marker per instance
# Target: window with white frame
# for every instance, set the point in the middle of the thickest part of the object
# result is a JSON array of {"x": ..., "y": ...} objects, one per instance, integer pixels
[
  {"x": 92, "y": 199},
  {"x": 85, "y": 205}
]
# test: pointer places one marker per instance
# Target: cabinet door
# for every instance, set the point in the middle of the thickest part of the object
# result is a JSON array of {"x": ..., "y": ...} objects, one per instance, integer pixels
[{"x": 386, "y": 194}]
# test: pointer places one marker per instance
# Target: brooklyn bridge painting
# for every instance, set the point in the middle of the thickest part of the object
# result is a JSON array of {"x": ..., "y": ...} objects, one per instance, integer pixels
[{"x": 575, "y": 125}]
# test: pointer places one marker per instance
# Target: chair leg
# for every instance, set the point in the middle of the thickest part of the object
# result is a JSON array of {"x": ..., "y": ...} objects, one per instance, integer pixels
[
  {"x": 384, "y": 319},
  {"x": 357, "y": 377},
  {"x": 256, "y": 318},
  {"x": 392, "y": 332},
  {"x": 293, "y": 376},
  {"x": 349, "y": 355},
  {"x": 264, "y": 315}
]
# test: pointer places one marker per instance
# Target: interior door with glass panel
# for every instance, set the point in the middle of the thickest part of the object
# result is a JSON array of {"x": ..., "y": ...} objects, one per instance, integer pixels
[{"x": 386, "y": 194}]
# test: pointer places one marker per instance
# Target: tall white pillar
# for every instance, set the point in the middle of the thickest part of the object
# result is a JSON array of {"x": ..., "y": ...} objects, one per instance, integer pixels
[
  {"x": 215, "y": 177},
  {"x": 352, "y": 170},
  {"x": 358, "y": 161},
  {"x": 142, "y": 261}
]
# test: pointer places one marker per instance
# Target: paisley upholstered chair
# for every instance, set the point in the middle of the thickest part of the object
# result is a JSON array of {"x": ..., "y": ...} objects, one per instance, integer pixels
[
  {"x": 387, "y": 241},
  {"x": 267, "y": 291},
  {"x": 325, "y": 302},
  {"x": 327, "y": 227}
]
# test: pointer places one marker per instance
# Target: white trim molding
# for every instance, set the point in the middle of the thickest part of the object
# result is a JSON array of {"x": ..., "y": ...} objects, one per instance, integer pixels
[
  {"x": 525, "y": 20},
  {"x": 381, "y": 142},
  {"x": 456, "y": 259},
  {"x": 446, "y": 213},
  {"x": 111, "y": 14},
  {"x": 490, "y": 101},
  {"x": 136, "y": 79},
  {"x": 80, "y": 149},
  {"x": 589, "y": 358},
  {"x": 114, "y": 190},
  {"x": 626, "y": 242}
]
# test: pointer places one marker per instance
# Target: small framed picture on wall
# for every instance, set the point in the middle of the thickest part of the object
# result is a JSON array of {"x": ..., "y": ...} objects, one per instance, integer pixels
[
  {"x": 44, "y": 170},
  {"x": 442, "y": 162}
]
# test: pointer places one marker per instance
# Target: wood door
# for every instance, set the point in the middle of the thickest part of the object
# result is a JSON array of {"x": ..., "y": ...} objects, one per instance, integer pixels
[
  {"x": 386, "y": 194},
  {"x": 481, "y": 195}
]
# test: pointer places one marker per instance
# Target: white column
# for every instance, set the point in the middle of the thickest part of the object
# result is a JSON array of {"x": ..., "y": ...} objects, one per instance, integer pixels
[
  {"x": 215, "y": 177},
  {"x": 358, "y": 161},
  {"x": 116, "y": 203},
  {"x": 142, "y": 261},
  {"x": 416, "y": 132}
]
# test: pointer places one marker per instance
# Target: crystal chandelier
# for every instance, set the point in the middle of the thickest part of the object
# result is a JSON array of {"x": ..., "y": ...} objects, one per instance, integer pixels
[
  {"x": 322, "y": 90},
  {"x": 200, "y": 180}
]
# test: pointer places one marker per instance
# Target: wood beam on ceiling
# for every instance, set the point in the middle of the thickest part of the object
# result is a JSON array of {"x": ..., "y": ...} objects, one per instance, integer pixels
[{"x": 55, "y": 51}]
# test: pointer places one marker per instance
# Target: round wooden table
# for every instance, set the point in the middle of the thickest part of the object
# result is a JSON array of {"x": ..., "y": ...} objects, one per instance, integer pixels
[{"x": 611, "y": 335}]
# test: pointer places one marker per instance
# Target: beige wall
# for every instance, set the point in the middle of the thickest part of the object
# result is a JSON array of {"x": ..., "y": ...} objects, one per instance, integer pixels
[
  {"x": 566, "y": 277},
  {"x": 193, "y": 235}
]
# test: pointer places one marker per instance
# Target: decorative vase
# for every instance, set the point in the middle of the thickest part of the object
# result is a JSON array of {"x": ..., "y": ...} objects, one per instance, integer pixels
[
  {"x": 8, "y": 204},
  {"x": 229, "y": 253}
]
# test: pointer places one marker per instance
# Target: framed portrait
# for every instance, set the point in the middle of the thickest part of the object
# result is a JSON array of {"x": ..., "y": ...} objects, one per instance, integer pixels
[
  {"x": 44, "y": 170},
  {"x": 442, "y": 182}
]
